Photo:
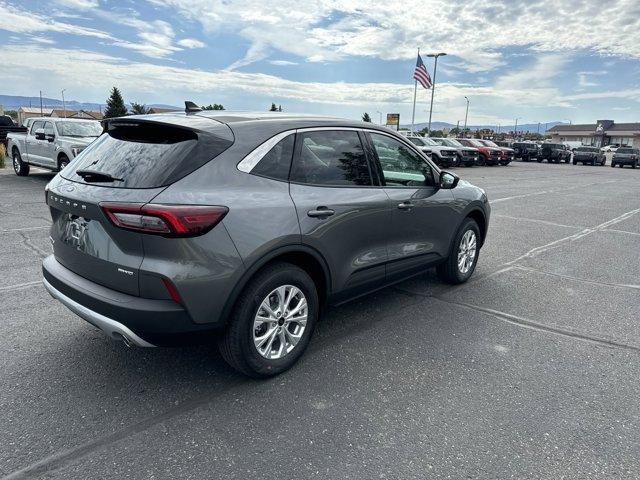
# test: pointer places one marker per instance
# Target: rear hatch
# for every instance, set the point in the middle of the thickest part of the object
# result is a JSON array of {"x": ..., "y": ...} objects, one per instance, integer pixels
[{"x": 131, "y": 163}]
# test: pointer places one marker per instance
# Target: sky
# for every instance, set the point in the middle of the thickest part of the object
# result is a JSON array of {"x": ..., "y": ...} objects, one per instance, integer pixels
[{"x": 536, "y": 60}]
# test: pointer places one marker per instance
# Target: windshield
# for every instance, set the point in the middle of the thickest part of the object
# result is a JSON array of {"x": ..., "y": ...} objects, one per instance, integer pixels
[
  {"x": 586, "y": 149},
  {"x": 79, "y": 129},
  {"x": 489, "y": 143},
  {"x": 625, "y": 150},
  {"x": 452, "y": 143},
  {"x": 416, "y": 141},
  {"x": 429, "y": 141},
  {"x": 475, "y": 143}
]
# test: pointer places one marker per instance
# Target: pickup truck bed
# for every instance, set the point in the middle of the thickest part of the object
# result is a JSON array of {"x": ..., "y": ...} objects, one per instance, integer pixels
[{"x": 7, "y": 126}]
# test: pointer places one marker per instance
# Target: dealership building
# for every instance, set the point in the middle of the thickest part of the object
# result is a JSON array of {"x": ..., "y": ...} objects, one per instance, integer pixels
[{"x": 599, "y": 134}]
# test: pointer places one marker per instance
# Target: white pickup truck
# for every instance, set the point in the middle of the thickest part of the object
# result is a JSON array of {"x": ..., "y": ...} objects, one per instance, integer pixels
[{"x": 50, "y": 143}]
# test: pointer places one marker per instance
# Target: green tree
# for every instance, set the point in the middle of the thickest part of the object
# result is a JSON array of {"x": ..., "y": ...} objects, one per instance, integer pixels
[
  {"x": 139, "y": 109},
  {"x": 273, "y": 108},
  {"x": 215, "y": 106},
  {"x": 366, "y": 117},
  {"x": 115, "y": 105}
]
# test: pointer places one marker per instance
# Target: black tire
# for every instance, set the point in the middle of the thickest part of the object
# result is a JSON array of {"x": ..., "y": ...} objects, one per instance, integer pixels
[
  {"x": 613, "y": 165},
  {"x": 236, "y": 344},
  {"x": 448, "y": 271},
  {"x": 634, "y": 164},
  {"x": 540, "y": 160},
  {"x": 21, "y": 168},
  {"x": 481, "y": 161},
  {"x": 575, "y": 163},
  {"x": 63, "y": 161}
]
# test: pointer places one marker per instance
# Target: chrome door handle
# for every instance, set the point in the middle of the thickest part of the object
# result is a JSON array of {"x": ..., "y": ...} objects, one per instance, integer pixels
[
  {"x": 320, "y": 212},
  {"x": 405, "y": 206}
]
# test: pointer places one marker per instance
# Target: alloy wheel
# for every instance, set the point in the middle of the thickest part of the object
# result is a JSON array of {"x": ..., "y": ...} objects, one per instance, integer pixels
[
  {"x": 280, "y": 322},
  {"x": 16, "y": 163},
  {"x": 467, "y": 251}
]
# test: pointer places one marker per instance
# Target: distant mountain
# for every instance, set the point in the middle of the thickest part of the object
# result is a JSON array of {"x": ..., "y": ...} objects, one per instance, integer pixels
[
  {"x": 526, "y": 127},
  {"x": 11, "y": 102}
]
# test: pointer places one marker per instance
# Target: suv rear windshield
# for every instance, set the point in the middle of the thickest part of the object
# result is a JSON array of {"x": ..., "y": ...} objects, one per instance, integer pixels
[
  {"x": 588, "y": 149},
  {"x": 626, "y": 150},
  {"x": 148, "y": 155}
]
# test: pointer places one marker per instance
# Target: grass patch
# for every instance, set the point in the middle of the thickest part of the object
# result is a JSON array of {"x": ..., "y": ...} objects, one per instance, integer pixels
[{"x": 3, "y": 153}]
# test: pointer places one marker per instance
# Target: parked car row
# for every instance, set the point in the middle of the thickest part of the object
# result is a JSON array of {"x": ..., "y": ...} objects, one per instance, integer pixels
[{"x": 468, "y": 152}]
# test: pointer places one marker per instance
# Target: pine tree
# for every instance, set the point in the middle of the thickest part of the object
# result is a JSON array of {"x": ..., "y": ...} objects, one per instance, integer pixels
[
  {"x": 273, "y": 108},
  {"x": 215, "y": 106},
  {"x": 115, "y": 105},
  {"x": 139, "y": 109},
  {"x": 366, "y": 118}
]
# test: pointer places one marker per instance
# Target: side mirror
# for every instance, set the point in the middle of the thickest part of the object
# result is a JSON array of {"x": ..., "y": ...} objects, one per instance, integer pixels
[
  {"x": 50, "y": 137},
  {"x": 40, "y": 134},
  {"x": 448, "y": 180}
]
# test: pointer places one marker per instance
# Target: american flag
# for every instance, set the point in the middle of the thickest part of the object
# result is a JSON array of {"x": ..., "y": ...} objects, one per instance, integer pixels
[{"x": 421, "y": 74}]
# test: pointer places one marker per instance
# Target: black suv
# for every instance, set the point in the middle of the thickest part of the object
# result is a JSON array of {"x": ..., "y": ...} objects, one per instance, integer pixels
[
  {"x": 589, "y": 156},
  {"x": 527, "y": 151},
  {"x": 626, "y": 156},
  {"x": 181, "y": 225},
  {"x": 554, "y": 153}
]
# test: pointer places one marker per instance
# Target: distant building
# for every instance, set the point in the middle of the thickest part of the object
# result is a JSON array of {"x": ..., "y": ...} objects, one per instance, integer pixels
[
  {"x": 29, "y": 112},
  {"x": 59, "y": 113},
  {"x": 600, "y": 134}
]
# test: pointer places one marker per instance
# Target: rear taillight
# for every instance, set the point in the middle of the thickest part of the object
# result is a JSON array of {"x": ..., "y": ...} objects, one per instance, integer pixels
[{"x": 165, "y": 220}]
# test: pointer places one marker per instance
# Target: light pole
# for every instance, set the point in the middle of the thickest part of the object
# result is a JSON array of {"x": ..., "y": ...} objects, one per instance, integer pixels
[
  {"x": 466, "y": 114},
  {"x": 538, "y": 128},
  {"x": 515, "y": 133},
  {"x": 64, "y": 105},
  {"x": 568, "y": 120},
  {"x": 379, "y": 113},
  {"x": 433, "y": 84}
]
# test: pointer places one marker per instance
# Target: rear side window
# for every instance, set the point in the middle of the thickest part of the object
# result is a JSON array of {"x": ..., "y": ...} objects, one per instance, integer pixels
[
  {"x": 277, "y": 162},
  {"x": 331, "y": 158},
  {"x": 148, "y": 155}
]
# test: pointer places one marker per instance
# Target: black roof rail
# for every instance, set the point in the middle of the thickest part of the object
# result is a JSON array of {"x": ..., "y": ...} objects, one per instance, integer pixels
[{"x": 190, "y": 107}]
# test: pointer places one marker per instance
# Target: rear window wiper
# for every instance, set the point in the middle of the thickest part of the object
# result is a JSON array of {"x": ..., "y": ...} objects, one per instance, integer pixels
[{"x": 96, "y": 176}]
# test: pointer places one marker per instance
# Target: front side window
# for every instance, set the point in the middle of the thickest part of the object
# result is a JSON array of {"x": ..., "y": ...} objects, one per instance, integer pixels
[
  {"x": 276, "y": 163},
  {"x": 401, "y": 167},
  {"x": 331, "y": 158},
  {"x": 36, "y": 126},
  {"x": 48, "y": 129}
]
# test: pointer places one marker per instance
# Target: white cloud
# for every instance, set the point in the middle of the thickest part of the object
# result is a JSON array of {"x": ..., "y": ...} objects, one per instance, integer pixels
[
  {"x": 16, "y": 20},
  {"x": 78, "y": 4},
  {"x": 282, "y": 63},
  {"x": 476, "y": 31},
  {"x": 191, "y": 43}
]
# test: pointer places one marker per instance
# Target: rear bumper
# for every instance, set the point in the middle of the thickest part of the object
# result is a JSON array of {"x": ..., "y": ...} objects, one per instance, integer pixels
[
  {"x": 137, "y": 321},
  {"x": 110, "y": 327}
]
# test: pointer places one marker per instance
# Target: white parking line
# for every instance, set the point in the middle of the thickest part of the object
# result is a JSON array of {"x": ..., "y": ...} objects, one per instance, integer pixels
[
  {"x": 576, "y": 236},
  {"x": 20, "y": 285},
  {"x": 543, "y": 192},
  {"x": 25, "y": 229},
  {"x": 576, "y": 279},
  {"x": 621, "y": 231},
  {"x": 534, "y": 220}
]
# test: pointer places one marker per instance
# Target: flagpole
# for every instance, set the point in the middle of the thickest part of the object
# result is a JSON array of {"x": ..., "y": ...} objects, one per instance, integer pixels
[
  {"x": 415, "y": 91},
  {"x": 433, "y": 86}
]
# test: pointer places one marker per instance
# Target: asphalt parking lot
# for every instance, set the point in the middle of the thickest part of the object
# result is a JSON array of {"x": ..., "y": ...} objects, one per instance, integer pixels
[{"x": 530, "y": 370}]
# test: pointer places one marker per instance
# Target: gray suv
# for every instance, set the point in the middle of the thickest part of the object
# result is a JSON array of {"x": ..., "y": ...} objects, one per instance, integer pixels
[{"x": 172, "y": 227}]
